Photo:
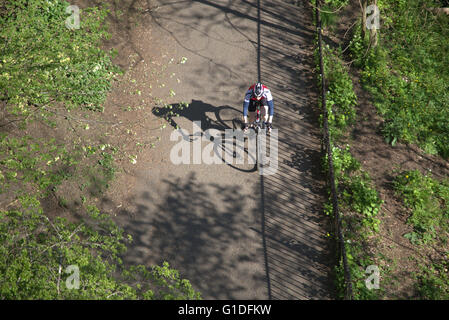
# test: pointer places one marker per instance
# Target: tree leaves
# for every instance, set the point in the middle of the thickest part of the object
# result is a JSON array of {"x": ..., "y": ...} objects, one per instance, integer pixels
[{"x": 33, "y": 248}]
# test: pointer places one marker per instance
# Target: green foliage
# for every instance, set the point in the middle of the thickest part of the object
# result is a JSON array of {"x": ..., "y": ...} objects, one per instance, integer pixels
[
  {"x": 428, "y": 200},
  {"x": 357, "y": 263},
  {"x": 329, "y": 11},
  {"x": 36, "y": 250},
  {"x": 44, "y": 63},
  {"x": 46, "y": 72},
  {"x": 47, "y": 69},
  {"x": 30, "y": 162},
  {"x": 361, "y": 204},
  {"x": 38, "y": 166},
  {"x": 358, "y": 199},
  {"x": 407, "y": 77},
  {"x": 433, "y": 283},
  {"x": 336, "y": 4},
  {"x": 344, "y": 162},
  {"x": 357, "y": 193},
  {"x": 364, "y": 200},
  {"x": 340, "y": 97},
  {"x": 407, "y": 74}
]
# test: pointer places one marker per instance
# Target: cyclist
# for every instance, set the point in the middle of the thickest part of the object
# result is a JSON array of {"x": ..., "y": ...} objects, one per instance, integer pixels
[{"x": 258, "y": 93}]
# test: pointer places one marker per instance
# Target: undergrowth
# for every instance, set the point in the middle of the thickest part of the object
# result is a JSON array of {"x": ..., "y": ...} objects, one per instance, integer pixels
[
  {"x": 407, "y": 74},
  {"x": 428, "y": 202},
  {"x": 358, "y": 200}
]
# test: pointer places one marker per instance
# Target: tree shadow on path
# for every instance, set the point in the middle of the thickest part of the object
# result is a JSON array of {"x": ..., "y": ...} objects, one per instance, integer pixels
[{"x": 194, "y": 226}]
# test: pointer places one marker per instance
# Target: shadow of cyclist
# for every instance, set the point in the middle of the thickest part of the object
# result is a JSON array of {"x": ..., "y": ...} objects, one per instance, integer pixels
[{"x": 211, "y": 117}]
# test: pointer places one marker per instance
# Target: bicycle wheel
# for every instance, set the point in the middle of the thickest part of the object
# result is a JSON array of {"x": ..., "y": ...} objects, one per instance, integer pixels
[{"x": 239, "y": 154}]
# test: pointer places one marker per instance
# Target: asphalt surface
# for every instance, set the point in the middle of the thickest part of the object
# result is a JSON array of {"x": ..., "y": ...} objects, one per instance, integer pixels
[{"x": 236, "y": 234}]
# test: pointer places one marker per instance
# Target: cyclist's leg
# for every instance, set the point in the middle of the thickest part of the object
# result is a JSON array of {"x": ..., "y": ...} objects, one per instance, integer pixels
[
  {"x": 264, "y": 111},
  {"x": 252, "y": 118},
  {"x": 252, "y": 112}
]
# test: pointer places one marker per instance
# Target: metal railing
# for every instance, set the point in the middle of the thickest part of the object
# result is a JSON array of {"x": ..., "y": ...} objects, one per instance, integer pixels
[{"x": 341, "y": 249}]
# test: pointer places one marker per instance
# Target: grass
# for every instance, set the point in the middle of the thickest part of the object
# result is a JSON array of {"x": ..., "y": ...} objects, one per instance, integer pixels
[
  {"x": 428, "y": 200},
  {"x": 358, "y": 200},
  {"x": 408, "y": 77},
  {"x": 360, "y": 205}
]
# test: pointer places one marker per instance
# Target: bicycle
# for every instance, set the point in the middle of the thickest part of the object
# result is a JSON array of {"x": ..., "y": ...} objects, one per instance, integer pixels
[{"x": 258, "y": 125}]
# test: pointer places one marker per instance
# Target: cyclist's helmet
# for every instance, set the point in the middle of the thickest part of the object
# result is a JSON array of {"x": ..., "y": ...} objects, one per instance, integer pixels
[{"x": 258, "y": 91}]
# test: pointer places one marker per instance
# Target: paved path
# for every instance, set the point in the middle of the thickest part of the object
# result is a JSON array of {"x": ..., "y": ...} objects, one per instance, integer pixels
[{"x": 233, "y": 233}]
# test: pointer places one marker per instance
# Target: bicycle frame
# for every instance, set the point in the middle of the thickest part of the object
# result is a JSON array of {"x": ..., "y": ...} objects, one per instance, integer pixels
[
  {"x": 257, "y": 127},
  {"x": 257, "y": 122}
]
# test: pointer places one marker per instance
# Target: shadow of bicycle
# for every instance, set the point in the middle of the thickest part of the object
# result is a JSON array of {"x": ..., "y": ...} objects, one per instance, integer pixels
[
  {"x": 218, "y": 125},
  {"x": 210, "y": 116}
]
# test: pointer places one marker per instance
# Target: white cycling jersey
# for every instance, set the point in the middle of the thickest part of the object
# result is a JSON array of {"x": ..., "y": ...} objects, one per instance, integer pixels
[{"x": 265, "y": 95}]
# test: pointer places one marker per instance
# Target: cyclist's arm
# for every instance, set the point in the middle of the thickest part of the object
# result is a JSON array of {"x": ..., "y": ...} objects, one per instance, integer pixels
[
  {"x": 270, "y": 107},
  {"x": 246, "y": 103},
  {"x": 245, "y": 108},
  {"x": 269, "y": 102}
]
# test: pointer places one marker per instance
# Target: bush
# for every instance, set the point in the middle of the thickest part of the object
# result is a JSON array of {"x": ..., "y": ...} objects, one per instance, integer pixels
[
  {"x": 428, "y": 200},
  {"x": 35, "y": 252},
  {"x": 357, "y": 199},
  {"x": 44, "y": 64},
  {"x": 361, "y": 204},
  {"x": 340, "y": 97},
  {"x": 407, "y": 75},
  {"x": 433, "y": 283},
  {"x": 357, "y": 193},
  {"x": 47, "y": 70}
]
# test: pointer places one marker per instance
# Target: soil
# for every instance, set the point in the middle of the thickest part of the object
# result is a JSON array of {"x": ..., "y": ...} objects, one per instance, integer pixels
[{"x": 127, "y": 121}]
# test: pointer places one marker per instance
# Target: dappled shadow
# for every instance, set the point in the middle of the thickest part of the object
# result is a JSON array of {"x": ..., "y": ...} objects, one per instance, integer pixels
[
  {"x": 307, "y": 160},
  {"x": 195, "y": 31},
  {"x": 300, "y": 258},
  {"x": 124, "y": 16},
  {"x": 194, "y": 227},
  {"x": 297, "y": 256},
  {"x": 211, "y": 117}
]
